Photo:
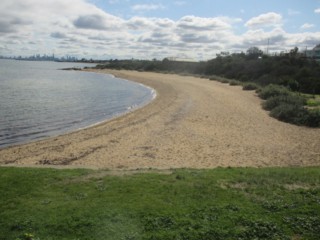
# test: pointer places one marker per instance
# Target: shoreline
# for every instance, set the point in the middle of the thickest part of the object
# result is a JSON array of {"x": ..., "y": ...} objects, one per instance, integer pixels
[{"x": 192, "y": 123}]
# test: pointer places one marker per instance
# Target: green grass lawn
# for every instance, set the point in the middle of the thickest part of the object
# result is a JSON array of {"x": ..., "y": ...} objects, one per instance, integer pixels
[{"x": 231, "y": 203}]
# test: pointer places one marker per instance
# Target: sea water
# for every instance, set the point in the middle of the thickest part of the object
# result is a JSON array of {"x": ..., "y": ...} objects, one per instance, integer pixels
[{"x": 38, "y": 100}]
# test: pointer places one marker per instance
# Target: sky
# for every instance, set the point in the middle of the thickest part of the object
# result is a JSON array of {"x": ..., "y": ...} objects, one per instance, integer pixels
[{"x": 156, "y": 29}]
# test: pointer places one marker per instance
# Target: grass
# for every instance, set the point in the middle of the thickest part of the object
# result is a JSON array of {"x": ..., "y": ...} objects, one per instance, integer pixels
[
  {"x": 313, "y": 101},
  {"x": 232, "y": 203}
]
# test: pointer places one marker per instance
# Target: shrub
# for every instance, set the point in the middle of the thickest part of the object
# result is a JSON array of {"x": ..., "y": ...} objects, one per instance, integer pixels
[
  {"x": 273, "y": 90},
  {"x": 290, "y": 83},
  {"x": 214, "y": 78},
  {"x": 234, "y": 83},
  {"x": 224, "y": 80},
  {"x": 267, "y": 79},
  {"x": 290, "y": 113},
  {"x": 250, "y": 86},
  {"x": 313, "y": 118},
  {"x": 275, "y": 101},
  {"x": 219, "y": 79}
]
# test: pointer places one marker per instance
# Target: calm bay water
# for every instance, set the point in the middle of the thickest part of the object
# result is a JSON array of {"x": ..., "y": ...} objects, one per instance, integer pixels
[{"x": 37, "y": 100}]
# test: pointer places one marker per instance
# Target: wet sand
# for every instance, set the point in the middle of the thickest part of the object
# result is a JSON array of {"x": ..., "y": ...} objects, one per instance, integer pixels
[{"x": 193, "y": 123}]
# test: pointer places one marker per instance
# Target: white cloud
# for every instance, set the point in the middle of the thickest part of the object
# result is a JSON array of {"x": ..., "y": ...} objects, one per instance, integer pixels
[
  {"x": 307, "y": 26},
  {"x": 147, "y": 7},
  {"x": 76, "y": 27},
  {"x": 140, "y": 23},
  {"x": 261, "y": 38},
  {"x": 303, "y": 39},
  {"x": 202, "y": 24},
  {"x": 317, "y": 10},
  {"x": 270, "y": 19},
  {"x": 55, "y": 24}
]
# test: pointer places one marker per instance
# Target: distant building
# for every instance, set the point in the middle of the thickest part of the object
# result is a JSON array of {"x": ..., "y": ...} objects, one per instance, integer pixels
[{"x": 314, "y": 53}]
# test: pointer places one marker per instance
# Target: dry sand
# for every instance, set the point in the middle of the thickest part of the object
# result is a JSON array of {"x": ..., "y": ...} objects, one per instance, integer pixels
[{"x": 193, "y": 123}]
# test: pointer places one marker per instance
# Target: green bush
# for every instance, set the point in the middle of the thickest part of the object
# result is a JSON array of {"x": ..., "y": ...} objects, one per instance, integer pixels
[
  {"x": 313, "y": 118},
  {"x": 224, "y": 80},
  {"x": 290, "y": 113},
  {"x": 214, "y": 78},
  {"x": 275, "y": 101},
  {"x": 273, "y": 90},
  {"x": 234, "y": 83},
  {"x": 288, "y": 107},
  {"x": 250, "y": 86}
]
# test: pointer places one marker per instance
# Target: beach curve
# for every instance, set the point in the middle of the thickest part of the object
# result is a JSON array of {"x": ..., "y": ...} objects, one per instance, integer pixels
[{"x": 193, "y": 123}]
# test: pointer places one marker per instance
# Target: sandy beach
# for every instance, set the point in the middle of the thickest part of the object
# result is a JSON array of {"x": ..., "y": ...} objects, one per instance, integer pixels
[{"x": 193, "y": 123}]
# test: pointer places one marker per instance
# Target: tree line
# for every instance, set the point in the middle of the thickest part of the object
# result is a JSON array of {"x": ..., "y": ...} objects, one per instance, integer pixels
[{"x": 292, "y": 70}]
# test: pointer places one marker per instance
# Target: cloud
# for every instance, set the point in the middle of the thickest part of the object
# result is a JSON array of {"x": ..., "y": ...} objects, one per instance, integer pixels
[
  {"x": 10, "y": 24},
  {"x": 185, "y": 35},
  {"x": 317, "y": 10},
  {"x": 142, "y": 23},
  {"x": 147, "y": 7},
  {"x": 6, "y": 27},
  {"x": 270, "y": 19},
  {"x": 205, "y": 24},
  {"x": 196, "y": 38},
  {"x": 307, "y": 26},
  {"x": 261, "y": 38},
  {"x": 90, "y": 22},
  {"x": 158, "y": 38},
  {"x": 98, "y": 22},
  {"x": 77, "y": 27},
  {"x": 304, "y": 39},
  {"x": 58, "y": 35},
  {"x": 147, "y": 24}
]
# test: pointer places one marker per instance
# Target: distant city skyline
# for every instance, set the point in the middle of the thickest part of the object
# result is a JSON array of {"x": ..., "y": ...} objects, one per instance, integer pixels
[
  {"x": 44, "y": 57},
  {"x": 110, "y": 29}
]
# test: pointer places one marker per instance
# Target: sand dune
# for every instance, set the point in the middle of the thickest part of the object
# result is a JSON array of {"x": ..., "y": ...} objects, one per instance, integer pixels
[{"x": 193, "y": 123}]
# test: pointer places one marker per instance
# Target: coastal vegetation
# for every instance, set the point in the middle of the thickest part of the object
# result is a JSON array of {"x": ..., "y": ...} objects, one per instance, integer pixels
[
  {"x": 229, "y": 203},
  {"x": 290, "y": 74}
]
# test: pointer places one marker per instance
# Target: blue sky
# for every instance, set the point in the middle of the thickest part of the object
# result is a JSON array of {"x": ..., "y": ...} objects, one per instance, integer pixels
[
  {"x": 296, "y": 13},
  {"x": 190, "y": 29},
  {"x": 209, "y": 8}
]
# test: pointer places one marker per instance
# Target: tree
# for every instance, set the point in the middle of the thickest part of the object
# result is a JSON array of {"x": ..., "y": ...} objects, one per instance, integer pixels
[
  {"x": 294, "y": 52},
  {"x": 254, "y": 53}
]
